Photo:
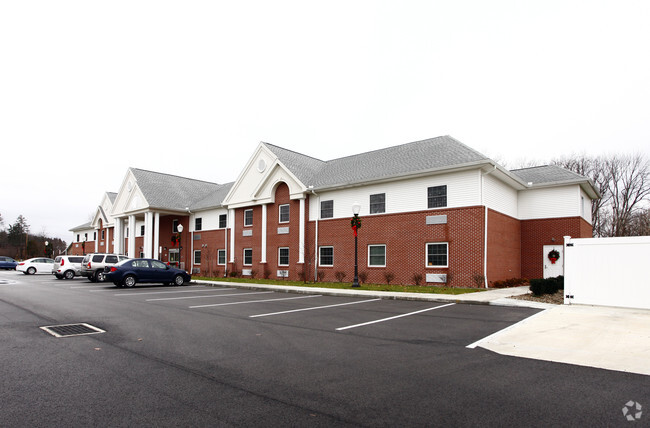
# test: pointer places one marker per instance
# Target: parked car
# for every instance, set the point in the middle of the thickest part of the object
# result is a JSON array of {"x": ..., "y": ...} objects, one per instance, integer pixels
[
  {"x": 67, "y": 266},
  {"x": 36, "y": 265},
  {"x": 130, "y": 272},
  {"x": 93, "y": 265},
  {"x": 7, "y": 263}
]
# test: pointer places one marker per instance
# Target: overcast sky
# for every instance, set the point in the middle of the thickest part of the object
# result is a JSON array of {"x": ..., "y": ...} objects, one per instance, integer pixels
[{"x": 89, "y": 88}]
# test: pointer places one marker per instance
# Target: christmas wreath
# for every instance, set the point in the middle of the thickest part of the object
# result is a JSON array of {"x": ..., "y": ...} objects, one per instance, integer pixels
[
  {"x": 553, "y": 256},
  {"x": 175, "y": 239},
  {"x": 355, "y": 223}
]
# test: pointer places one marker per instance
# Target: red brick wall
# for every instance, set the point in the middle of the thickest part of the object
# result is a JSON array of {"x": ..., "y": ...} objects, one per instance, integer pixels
[
  {"x": 405, "y": 236},
  {"x": 209, "y": 242},
  {"x": 504, "y": 247},
  {"x": 165, "y": 237},
  {"x": 274, "y": 240},
  {"x": 537, "y": 233}
]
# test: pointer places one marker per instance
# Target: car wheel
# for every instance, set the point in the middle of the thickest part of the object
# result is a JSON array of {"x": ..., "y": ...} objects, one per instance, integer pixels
[
  {"x": 129, "y": 281},
  {"x": 117, "y": 284},
  {"x": 99, "y": 276},
  {"x": 178, "y": 280},
  {"x": 31, "y": 271},
  {"x": 91, "y": 278},
  {"x": 68, "y": 274},
  {"x": 59, "y": 276}
]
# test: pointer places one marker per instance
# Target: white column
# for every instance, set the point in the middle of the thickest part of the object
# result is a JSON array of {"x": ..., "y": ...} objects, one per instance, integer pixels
[
  {"x": 156, "y": 236},
  {"x": 148, "y": 234},
  {"x": 263, "y": 260},
  {"x": 301, "y": 233},
  {"x": 118, "y": 236},
  {"x": 131, "y": 251},
  {"x": 231, "y": 222}
]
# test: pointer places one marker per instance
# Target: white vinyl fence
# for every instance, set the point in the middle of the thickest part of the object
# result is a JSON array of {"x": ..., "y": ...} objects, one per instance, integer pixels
[{"x": 607, "y": 271}]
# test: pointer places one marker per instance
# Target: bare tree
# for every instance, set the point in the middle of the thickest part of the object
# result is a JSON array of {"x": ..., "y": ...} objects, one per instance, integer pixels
[{"x": 624, "y": 184}]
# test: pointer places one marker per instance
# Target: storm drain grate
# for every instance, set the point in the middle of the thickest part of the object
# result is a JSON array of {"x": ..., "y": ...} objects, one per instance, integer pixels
[{"x": 67, "y": 330}]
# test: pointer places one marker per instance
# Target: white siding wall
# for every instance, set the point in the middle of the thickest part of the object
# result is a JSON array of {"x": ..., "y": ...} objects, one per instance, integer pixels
[
  {"x": 403, "y": 196},
  {"x": 585, "y": 206},
  {"x": 210, "y": 219},
  {"x": 499, "y": 196},
  {"x": 552, "y": 202}
]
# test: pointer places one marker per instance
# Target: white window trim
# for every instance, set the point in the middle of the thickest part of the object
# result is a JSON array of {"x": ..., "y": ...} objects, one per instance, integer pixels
[
  {"x": 245, "y": 211},
  {"x": 280, "y": 258},
  {"x": 194, "y": 259},
  {"x": 370, "y": 204},
  {"x": 426, "y": 255},
  {"x": 219, "y": 220},
  {"x": 385, "y": 256},
  {"x": 319, "y": 255},
  {"x": 244, "y": 257},
  {"x": 224, "y": 257},
  {"x": 280, "y": 213}
]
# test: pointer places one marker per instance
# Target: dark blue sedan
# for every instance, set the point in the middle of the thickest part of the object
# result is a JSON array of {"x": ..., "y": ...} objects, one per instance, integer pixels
[
  {"x": 7, "y": 263},
  {"x": 130, "y": 272}
]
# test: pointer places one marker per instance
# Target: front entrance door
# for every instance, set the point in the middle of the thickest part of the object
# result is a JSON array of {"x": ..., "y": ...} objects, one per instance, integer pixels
[{"x": 551, "y": 269}]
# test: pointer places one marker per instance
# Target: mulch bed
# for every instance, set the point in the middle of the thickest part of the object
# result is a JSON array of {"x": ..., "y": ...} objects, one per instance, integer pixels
[{"x": 556, "y": 299}]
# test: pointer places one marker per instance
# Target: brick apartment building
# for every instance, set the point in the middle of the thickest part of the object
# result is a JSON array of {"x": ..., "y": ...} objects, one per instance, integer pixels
[{"x": 434, "y": 209}]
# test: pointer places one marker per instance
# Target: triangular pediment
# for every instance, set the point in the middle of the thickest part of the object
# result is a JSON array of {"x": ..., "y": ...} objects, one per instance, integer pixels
[
  {"x": 130, "y": 198},
  {"x": 257, "y": 181}
]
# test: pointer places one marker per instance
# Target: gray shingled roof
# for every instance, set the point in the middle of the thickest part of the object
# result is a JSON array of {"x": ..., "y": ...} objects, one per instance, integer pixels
[
  {"x": 81, "y": 227},
  {"x": 173, "y": 192},
  {"x": 547, "y": 174},
  {"x": 406, "y": 159}
]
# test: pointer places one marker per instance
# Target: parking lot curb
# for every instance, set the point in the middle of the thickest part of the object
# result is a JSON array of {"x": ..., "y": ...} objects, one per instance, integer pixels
[{"x": 500, "y": 298}]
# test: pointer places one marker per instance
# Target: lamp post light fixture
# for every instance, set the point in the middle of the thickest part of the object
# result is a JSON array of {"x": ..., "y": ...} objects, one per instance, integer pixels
[
  {"x": 356, "y": 224},
  {"x": 46, "y": 252},
  {"x": 180, "y": 247}
]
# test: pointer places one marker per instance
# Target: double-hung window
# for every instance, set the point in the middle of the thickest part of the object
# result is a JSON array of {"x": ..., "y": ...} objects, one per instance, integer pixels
[
  {"x": 284, "y": 213},
  {"x": 223, "y": 221},
  {"x": 248, "y": 217},
  {"x": 437, "y": 196},
  {"x": 438, "y": 254},
  {"x": 142, "y": 230},
  {"x": 378, "y": 203},
  {"x": 248, "y": 257},
  {"x": 221, "y": 257},
  {"x": 377, "y": 255},
  {"x": 174, "y": 226},
  {"x": 327, "y": 209},
  {"x": 197, "y": 257},
  {"x": 326, "y": 256},
  {"x": 198, "y": 223},
  {"x": 283, "y": 256}
]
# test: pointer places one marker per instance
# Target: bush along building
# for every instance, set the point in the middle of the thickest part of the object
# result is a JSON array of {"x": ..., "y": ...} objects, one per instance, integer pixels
[{"x": 432, "y": 212}]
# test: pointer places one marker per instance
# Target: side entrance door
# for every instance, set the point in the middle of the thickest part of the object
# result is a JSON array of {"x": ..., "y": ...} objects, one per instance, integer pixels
[{"x": 551, "y": 269}]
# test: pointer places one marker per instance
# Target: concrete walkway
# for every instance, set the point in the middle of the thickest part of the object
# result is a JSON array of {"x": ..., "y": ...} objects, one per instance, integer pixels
[{"x": 593, "y": 336}]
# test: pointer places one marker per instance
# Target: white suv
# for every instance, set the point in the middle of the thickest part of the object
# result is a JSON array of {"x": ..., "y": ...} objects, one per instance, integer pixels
[{"x": 67, "y": 267}]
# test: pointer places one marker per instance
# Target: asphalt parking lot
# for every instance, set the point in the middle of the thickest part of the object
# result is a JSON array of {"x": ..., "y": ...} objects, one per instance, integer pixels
[{"x": 221, "y": 356}]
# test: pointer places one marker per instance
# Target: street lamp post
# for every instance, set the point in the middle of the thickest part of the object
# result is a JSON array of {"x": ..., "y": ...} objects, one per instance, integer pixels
[
  {"x": 356, "y": 224},
  {"x": 46, "y": 252},
  {"x": 180, "y": 247}
]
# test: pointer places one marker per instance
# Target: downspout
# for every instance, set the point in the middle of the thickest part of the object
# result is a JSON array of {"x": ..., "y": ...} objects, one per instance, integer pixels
[
  {"x": 189, "y": 223},
  {"x": 311, "y": 189},
  {"x": 485, "y": 225}
]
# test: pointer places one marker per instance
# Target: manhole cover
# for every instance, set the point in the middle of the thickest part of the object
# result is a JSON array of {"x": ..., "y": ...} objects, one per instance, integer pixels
[{"x": 67, "y": 330}]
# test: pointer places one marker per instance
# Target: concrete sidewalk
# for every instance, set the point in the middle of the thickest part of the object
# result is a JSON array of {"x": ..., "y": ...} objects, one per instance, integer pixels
[{"x": 593, "y": 336}]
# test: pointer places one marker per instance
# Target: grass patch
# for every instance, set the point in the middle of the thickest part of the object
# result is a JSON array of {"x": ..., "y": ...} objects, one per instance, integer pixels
[{"x": 348, "y": 286}]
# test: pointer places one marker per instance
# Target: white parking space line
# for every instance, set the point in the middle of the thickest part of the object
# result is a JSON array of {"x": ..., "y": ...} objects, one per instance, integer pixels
[
  {"x": 137, "y": 293},
  {"x": 88, "y": 286},
  {"x": 395, "y": 317},
  {"x": 254, "y": 301},
  {"x": 209, "y": 295},
  {"x": 487, "y": 338},
  {"x": 312, "y": 308}
]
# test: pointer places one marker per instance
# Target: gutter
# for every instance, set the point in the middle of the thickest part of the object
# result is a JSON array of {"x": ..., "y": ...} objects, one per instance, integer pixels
[{"x": 485, "y": 225}]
